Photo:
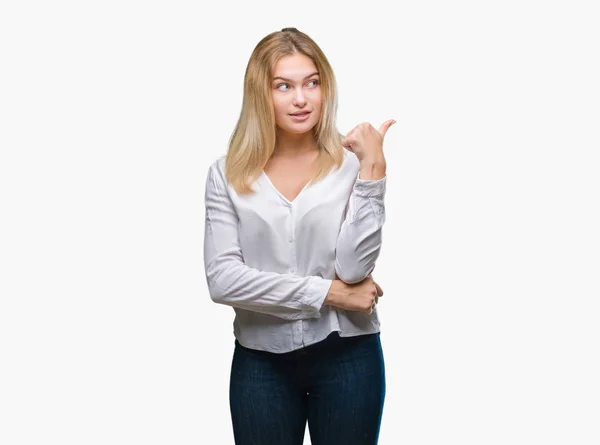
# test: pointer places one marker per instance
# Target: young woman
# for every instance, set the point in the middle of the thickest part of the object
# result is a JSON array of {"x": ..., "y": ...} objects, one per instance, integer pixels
[{"x": 294, "y": 216}]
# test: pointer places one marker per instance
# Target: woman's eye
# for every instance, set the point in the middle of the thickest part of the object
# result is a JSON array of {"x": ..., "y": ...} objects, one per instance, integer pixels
[{"x": 315, "y": 81}]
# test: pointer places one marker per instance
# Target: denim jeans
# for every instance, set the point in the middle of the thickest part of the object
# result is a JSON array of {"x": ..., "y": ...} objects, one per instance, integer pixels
[{"x": 337, "y": 385}]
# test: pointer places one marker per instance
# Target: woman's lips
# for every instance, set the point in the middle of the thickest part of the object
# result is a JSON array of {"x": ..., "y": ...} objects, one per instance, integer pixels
[{"x": 301, "y": 117}]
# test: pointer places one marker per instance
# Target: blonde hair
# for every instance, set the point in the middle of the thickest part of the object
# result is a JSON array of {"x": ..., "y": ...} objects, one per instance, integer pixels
[{"x": 253, "y": 140}]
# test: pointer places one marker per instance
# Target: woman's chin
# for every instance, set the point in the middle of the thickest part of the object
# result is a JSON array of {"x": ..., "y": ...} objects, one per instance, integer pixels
[{"x": 297, "y": 129}]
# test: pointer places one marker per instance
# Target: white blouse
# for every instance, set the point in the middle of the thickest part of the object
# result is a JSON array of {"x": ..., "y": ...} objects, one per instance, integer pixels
[{"x": 273, "y": 260}]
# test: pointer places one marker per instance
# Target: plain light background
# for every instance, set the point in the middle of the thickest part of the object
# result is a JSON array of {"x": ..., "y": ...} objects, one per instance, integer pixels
[{"x": 110, "y": 115}]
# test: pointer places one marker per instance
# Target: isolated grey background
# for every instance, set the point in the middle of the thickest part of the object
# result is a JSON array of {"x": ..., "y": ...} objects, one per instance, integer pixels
[{"x": 111, "y": 113}]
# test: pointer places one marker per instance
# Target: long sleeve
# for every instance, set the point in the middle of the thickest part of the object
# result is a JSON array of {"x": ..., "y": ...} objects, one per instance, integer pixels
[
  {"x": 359, "y": 241},
  {"x": 231, "y": 282}
]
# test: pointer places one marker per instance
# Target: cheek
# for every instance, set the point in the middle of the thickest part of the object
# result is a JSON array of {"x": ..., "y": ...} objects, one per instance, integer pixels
[
  {"x": 317, "y": 102},
  {"x": 279, "y": 107},
  {"x": 280, "y": 112},
  {"x": 318, "y": 105}
]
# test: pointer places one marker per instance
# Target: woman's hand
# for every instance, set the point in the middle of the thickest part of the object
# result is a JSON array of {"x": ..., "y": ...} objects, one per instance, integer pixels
[
  {"x": 366, "y": 142},
  {"x": 360, "y": 297}
]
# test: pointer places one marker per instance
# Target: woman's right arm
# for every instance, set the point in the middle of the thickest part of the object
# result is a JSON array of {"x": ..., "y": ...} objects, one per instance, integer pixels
[{"x": 231, "y": 282}]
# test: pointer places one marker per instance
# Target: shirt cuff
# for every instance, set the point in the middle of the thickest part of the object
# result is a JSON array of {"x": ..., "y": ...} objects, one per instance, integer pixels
[
  {"x": 370, "y": 187},
  {"x": 317, "y": 292}
]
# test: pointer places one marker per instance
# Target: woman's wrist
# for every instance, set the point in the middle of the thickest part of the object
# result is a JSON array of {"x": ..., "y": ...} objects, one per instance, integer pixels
[
  {"x": 372, "y": 168},
  {"x": 335, "y": 294}
]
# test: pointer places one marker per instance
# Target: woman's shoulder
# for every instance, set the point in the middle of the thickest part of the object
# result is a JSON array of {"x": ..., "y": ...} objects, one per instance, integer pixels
[
  {"x": 215, "y": 174},
  {"x": 219, "y": 163},
  {"x": 217, "y": 167}
]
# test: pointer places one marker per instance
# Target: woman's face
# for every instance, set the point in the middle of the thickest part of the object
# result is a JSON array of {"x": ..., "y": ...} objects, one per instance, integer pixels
[{"x": 296, "y": 88}]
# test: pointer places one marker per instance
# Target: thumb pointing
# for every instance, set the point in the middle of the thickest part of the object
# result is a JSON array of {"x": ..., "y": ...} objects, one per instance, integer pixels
[{"x": 386, "y": 126}]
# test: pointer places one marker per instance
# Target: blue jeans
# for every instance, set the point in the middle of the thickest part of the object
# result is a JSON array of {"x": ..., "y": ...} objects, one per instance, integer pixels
[{"x": 337, "y": 385}]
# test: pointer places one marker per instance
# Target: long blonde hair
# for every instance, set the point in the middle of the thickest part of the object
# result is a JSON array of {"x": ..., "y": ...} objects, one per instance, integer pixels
[{"x": 253, "y": 140}]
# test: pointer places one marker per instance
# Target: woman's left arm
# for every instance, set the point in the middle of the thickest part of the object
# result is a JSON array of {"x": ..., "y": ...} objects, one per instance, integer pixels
[{"x": 360, "y": 238}]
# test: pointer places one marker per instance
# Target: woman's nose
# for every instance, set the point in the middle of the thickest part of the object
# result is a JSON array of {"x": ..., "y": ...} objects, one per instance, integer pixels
[{"x": 299, "y": 98}]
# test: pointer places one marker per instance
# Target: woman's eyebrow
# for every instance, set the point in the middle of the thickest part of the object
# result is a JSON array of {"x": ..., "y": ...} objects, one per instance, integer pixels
[{"x": 289, "y": 80}]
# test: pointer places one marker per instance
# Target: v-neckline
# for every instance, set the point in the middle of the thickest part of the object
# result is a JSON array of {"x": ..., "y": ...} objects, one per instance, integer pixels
[{"x": 264, "y": 173}]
